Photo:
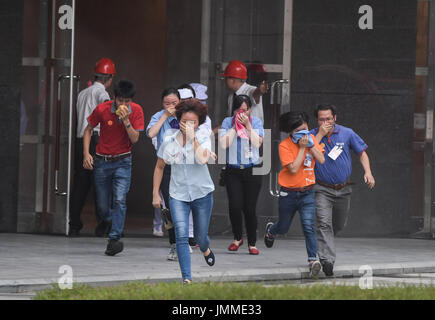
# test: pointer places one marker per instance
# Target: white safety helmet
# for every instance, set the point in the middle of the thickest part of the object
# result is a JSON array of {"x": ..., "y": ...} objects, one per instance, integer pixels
[{"x": 200, "y": 92}]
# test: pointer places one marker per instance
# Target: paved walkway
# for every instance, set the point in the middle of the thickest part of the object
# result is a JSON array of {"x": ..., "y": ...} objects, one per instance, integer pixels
[{"x": 32, "y": 262}]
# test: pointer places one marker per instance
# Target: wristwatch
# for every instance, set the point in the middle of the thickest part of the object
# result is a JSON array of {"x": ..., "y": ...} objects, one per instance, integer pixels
[{"x": 128, "y": 126}]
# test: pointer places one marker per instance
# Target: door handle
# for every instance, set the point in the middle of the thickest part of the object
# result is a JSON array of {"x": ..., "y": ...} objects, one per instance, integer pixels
[
  {"x": 274, "y": 125},
  {"x": 272, "y": 89},
  {"x": 274, "y": 192},
  {"x": 60, "y": 80}
]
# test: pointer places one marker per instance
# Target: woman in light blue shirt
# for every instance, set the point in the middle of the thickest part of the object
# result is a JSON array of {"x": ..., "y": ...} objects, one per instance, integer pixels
[
  {"x": 242, "y": 136},
  {"x": 188, "y": 151},
  {"x": 160, "y": 123}
]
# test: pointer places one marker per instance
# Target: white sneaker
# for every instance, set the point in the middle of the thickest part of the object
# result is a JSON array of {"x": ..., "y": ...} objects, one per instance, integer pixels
[
  {"x": 172, "y": 256},
  {"x": 158, "y": 233},
  {"x": 190, "y": 248}
]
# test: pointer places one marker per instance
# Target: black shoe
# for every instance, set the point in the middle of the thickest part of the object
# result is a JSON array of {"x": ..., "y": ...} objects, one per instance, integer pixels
[
  {"x": 114, "y": 247},
  {"x": 74, "y": 233},
  {"x": 103, "y": 228},
  {"x": 328, "y": 268},
  {"x": 192, "y": 242},
  {"x": 210, "y": 259},
  {"x": 268, "y": 237}
]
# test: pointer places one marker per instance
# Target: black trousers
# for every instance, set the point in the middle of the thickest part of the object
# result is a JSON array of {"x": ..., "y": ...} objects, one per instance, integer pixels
[
  {"x": 243, "y": 189},
  {"x": 83, "y": 181},
  {"x": 164, "y": 188}
]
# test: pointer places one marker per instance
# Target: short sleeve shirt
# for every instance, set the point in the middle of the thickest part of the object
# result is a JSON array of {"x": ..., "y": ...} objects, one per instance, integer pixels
[
  {"x": 241, "y": 152},
  {"x": 114, "y": 139},
  {"x": 338, "y": 171},
  {"x": 305, "y": 176},
  {"x": 190, "y": 180},
  {"x": 87, "y": 101}
]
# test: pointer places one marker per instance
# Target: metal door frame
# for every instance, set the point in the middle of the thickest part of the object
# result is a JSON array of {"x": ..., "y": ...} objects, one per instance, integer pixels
[
  {"x": 71, "y": 99},
  {"x": 284, "y": 68},
  {"x": 45, "y": 175},
  {"x": 217, "y": 67},
  {"x": 428, "y": 231}
]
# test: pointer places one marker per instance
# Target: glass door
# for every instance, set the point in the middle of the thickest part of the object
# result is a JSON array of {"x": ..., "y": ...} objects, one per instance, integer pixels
[
  {"x": 260, "y": 35},
  {"x": 49, "y": 89}
]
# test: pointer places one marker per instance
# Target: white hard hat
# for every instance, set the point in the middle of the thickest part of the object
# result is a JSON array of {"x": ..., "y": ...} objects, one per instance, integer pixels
[
  {"x": 185, "y": 94},
  {"x": 200, "y": 91}
]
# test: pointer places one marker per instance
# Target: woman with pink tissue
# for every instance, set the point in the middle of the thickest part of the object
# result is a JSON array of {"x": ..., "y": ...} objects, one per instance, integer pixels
[
  {"x": 242, "y": 137},
  {"x": 238, "y": 120}
]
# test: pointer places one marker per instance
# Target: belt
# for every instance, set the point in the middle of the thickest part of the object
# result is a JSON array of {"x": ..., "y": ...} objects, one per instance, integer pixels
[
  {"x": 113, "y": 158},
  {"x": 94, "y": 134},
  {"x": 333, "y": 186},
  {"x": 297, "y": 189},
  {"x": 246, "y": 166}
]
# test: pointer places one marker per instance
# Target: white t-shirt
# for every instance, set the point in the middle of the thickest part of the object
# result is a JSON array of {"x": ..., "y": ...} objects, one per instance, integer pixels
[
  {"x": 247, "y": 89},
  {"x": 87, "y": 101}
]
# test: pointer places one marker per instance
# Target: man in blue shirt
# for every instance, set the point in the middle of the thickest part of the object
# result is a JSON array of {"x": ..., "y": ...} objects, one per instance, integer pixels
[{"x": 333, "y": 190}]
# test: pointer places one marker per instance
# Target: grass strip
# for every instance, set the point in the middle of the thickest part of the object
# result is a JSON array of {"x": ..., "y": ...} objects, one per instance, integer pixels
[{"x": 237, "y": 291}]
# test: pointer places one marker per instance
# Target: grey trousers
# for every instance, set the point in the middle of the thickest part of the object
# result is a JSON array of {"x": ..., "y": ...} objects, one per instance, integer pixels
[{"x": 332, "y": 211}]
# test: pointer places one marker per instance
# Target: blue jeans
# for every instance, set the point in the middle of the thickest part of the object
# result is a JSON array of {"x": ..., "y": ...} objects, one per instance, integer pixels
[
  {"x": 201, "y": 211},
  {"x": 305, "y": 203},
  {"x": 112, "y": 179}
]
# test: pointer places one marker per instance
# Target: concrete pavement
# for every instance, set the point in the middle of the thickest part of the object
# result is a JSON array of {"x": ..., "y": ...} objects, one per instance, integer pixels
[{"x": 32, "y": 262}]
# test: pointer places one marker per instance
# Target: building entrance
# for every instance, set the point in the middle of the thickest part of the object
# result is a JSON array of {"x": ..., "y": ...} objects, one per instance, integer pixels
[{"x": 62, "y": 41}]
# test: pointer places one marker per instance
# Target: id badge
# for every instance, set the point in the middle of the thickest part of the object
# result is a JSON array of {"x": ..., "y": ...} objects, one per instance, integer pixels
[
  {"x": 248, "y": 153},
  {"x": 308, "y": 160},
  {"x": 335, "y": 153}
]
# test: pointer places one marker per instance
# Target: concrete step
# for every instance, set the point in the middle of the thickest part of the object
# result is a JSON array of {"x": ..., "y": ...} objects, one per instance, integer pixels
[{"x": 243, "y": 275}]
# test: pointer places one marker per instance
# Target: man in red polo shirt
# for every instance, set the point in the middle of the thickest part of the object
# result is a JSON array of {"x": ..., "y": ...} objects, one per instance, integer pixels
[{"x": 120, "y": 122}]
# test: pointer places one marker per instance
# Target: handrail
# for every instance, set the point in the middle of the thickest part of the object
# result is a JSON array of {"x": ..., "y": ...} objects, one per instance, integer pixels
[
  {"x": 274, "y": 116},
  {"x": 60, "y": 79}
]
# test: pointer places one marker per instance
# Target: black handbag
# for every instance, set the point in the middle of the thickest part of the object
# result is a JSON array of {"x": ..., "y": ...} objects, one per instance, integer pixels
[
  {"x": 223, "y": 177},
  {"x": 166, "y": 217}
]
